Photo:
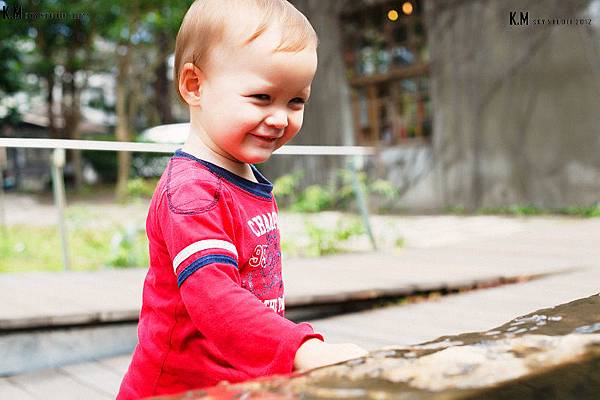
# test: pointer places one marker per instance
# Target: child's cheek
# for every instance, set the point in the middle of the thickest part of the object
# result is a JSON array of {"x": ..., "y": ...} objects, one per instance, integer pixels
[
  {"x": 295, "y": 122},
  {"x": 250, "y": 115},
  {"x": 300, "y": 119}
]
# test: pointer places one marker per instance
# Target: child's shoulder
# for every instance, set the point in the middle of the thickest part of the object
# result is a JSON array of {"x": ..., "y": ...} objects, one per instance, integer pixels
[{"x": 188, "y": 187}]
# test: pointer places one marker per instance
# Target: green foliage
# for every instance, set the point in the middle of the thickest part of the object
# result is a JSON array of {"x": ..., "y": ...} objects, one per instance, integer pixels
[
  {"x": 345, "y": 187},
  {"x": 128, "y": 248},
  {"x": 399, "y": 242},
  {"x": 324, "y": 241},
  {"x": 26, "y": 248},
  {"x": 383, "y": 188},
  {"x": 532, "y": 210},
  {"x": 517, "y": 210},
  {"x": 590, "y": 211},
  {"x": 314, "y": 198},
  {"x": 581, "y": 211},
  {"x": 383, "y": 195},
  {"x": 338, "y": 195},
  {"x": 11, "y": 78},
  {"x": 11, "y": 59},
  {"x": 285, "y": 187},
  {"x": 94, "y": 242},
  {"x": 459, "y": 210},
  {"x": 141, "y": 188}
]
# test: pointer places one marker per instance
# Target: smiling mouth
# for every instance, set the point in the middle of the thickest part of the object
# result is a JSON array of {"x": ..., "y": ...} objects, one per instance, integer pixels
[{"x": 266, "y": 139}]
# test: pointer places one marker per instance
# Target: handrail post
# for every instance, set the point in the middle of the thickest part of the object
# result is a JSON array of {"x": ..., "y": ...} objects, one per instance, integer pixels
[
  {"x": 3, "y": 224},
  {"x": 361, "y": 200},
  {"x": 58, "y": 188}
]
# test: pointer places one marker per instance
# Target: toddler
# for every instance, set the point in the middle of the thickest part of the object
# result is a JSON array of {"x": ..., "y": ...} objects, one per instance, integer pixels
[{"x": 213, "y": 300}]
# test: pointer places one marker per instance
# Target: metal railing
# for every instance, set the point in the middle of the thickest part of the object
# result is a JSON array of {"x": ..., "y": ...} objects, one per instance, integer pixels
[{"x": 58, "y": 162}]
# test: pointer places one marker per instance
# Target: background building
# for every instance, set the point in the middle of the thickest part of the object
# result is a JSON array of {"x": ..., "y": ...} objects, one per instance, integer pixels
[{"x": 465, "y": 109}]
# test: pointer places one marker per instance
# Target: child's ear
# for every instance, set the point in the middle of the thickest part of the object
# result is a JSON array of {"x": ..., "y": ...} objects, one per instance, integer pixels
[{"x": 190, "y": 83}]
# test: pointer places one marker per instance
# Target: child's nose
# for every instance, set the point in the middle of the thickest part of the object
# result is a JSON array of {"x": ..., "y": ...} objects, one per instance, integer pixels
[{"x": 277, "y": 119}]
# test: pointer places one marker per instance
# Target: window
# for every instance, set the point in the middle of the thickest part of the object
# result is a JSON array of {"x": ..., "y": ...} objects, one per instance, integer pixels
[{"x": 387, "y": 65}]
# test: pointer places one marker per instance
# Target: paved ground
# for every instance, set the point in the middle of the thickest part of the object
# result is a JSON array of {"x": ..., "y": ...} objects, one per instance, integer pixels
[
  {"x": 468, "y": 250},
  {"x": 568, "y": 247},
  {"x": 440, "y": 250}
]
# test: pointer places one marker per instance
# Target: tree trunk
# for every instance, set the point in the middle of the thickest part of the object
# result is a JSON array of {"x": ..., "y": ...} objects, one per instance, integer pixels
[
  {"x": 122, "y": 128},
  {"x": 161, "y": 81},
  {"x": 52, "y": 128},
  {"x": 72, "y": 118}
]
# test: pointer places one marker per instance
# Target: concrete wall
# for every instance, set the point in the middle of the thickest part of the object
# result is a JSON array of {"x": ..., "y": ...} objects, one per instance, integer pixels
[
  {"x": 410, "y": 169},
  {"x": 516, "y": 108}
]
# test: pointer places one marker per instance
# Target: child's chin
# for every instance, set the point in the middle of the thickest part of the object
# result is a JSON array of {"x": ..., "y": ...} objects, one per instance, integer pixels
[{"x": 257, "y": 158}]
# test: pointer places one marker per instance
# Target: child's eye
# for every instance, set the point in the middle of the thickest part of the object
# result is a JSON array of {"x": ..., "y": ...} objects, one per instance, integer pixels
[
  {"x": 298, "y": 100},
  {"x": 262, "y": 97}
]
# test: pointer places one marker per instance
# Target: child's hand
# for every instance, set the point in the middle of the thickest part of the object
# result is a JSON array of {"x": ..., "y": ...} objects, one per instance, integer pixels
[{"x": 314, "y": 353}]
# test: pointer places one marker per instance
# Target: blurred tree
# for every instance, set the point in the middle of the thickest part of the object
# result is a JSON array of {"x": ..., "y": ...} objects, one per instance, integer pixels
[
  {"x": 62, "y": 57},
  {"x": 64, "y": 52},
  {"x": 143, "y": 32},
  {"x": 163, "y": 23},
  {"x": 11, "y": 65}
]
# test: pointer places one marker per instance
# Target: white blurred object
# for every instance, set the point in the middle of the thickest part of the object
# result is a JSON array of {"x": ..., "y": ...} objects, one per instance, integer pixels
[
  {"x": 90, "y": 176},
  {"x": 170, "y": 133}
]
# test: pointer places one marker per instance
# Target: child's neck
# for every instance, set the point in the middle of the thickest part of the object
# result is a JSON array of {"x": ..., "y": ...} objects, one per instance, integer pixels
[{"x": 194, "y": 146}]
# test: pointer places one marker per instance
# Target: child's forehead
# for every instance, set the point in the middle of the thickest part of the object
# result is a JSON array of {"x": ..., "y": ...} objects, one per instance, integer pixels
[
  {"x": 254, "y": 68},
  {"x": 260, "y": 51},
  {"x": 237, "y": 36}
]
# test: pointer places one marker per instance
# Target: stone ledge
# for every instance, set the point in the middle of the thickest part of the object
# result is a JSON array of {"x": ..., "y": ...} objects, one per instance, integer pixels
[{"x": 551, "y": 353}]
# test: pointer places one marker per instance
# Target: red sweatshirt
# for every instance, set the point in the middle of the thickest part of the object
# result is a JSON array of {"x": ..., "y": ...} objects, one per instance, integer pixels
[{"x": 213, "y": 300}]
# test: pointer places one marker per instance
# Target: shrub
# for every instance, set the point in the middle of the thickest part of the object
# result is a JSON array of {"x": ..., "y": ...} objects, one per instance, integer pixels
[
  {"x": 324, "y": 241},
  {"x": 338, "y": 195},
  {"x": 129, "y": 248},
  {"x": 314, "y": 198},
  {"x": 286, "y": 188},
  {"x": 139, "y": 187}
]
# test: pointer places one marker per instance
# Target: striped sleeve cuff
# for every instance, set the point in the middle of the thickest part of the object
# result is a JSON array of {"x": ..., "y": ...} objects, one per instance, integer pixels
[{"x": 227, "y": 254}]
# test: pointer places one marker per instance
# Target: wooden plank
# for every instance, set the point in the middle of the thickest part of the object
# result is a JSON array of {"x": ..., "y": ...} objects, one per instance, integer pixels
[
  {"x": 442, "y": 251},
  {"x": 95, "y": 375},
  {"x": 9, "y": 390},
  {"x": 48, "y": 299},
  {"x": 117, "y": 364},
  {"x": 54, "y": 384}
]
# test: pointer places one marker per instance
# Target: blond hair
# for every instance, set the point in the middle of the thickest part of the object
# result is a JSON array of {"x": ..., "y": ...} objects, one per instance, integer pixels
[{"x": 209, "y": 22}]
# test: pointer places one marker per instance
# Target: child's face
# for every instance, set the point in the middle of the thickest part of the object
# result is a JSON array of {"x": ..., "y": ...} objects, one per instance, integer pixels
[{"x": 251, "y": 101}]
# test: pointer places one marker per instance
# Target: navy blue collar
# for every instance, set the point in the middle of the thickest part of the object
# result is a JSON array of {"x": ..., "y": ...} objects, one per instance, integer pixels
[{"x": 262, "y": 189}]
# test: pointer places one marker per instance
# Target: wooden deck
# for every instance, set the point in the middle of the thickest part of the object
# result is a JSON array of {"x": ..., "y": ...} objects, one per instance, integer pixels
[
  {"x": 66, "y": 298},
  {"x": 563, "y": 248},
  {"x": 94, "y": 380}
]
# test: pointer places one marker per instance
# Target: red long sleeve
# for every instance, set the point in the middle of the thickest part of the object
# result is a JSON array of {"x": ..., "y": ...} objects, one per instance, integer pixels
[
  {"x": 213, "y": 300},
  {"x": 251, "y": 337}
]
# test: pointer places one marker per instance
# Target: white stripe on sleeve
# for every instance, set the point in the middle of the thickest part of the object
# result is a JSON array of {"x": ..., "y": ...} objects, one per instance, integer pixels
[{"x": 203, "y": 245}]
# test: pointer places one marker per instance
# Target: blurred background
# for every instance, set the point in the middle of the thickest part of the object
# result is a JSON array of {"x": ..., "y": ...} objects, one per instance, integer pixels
[
  {"x": 474, "y": 109},
  {"x": 471, "y": 106}
]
